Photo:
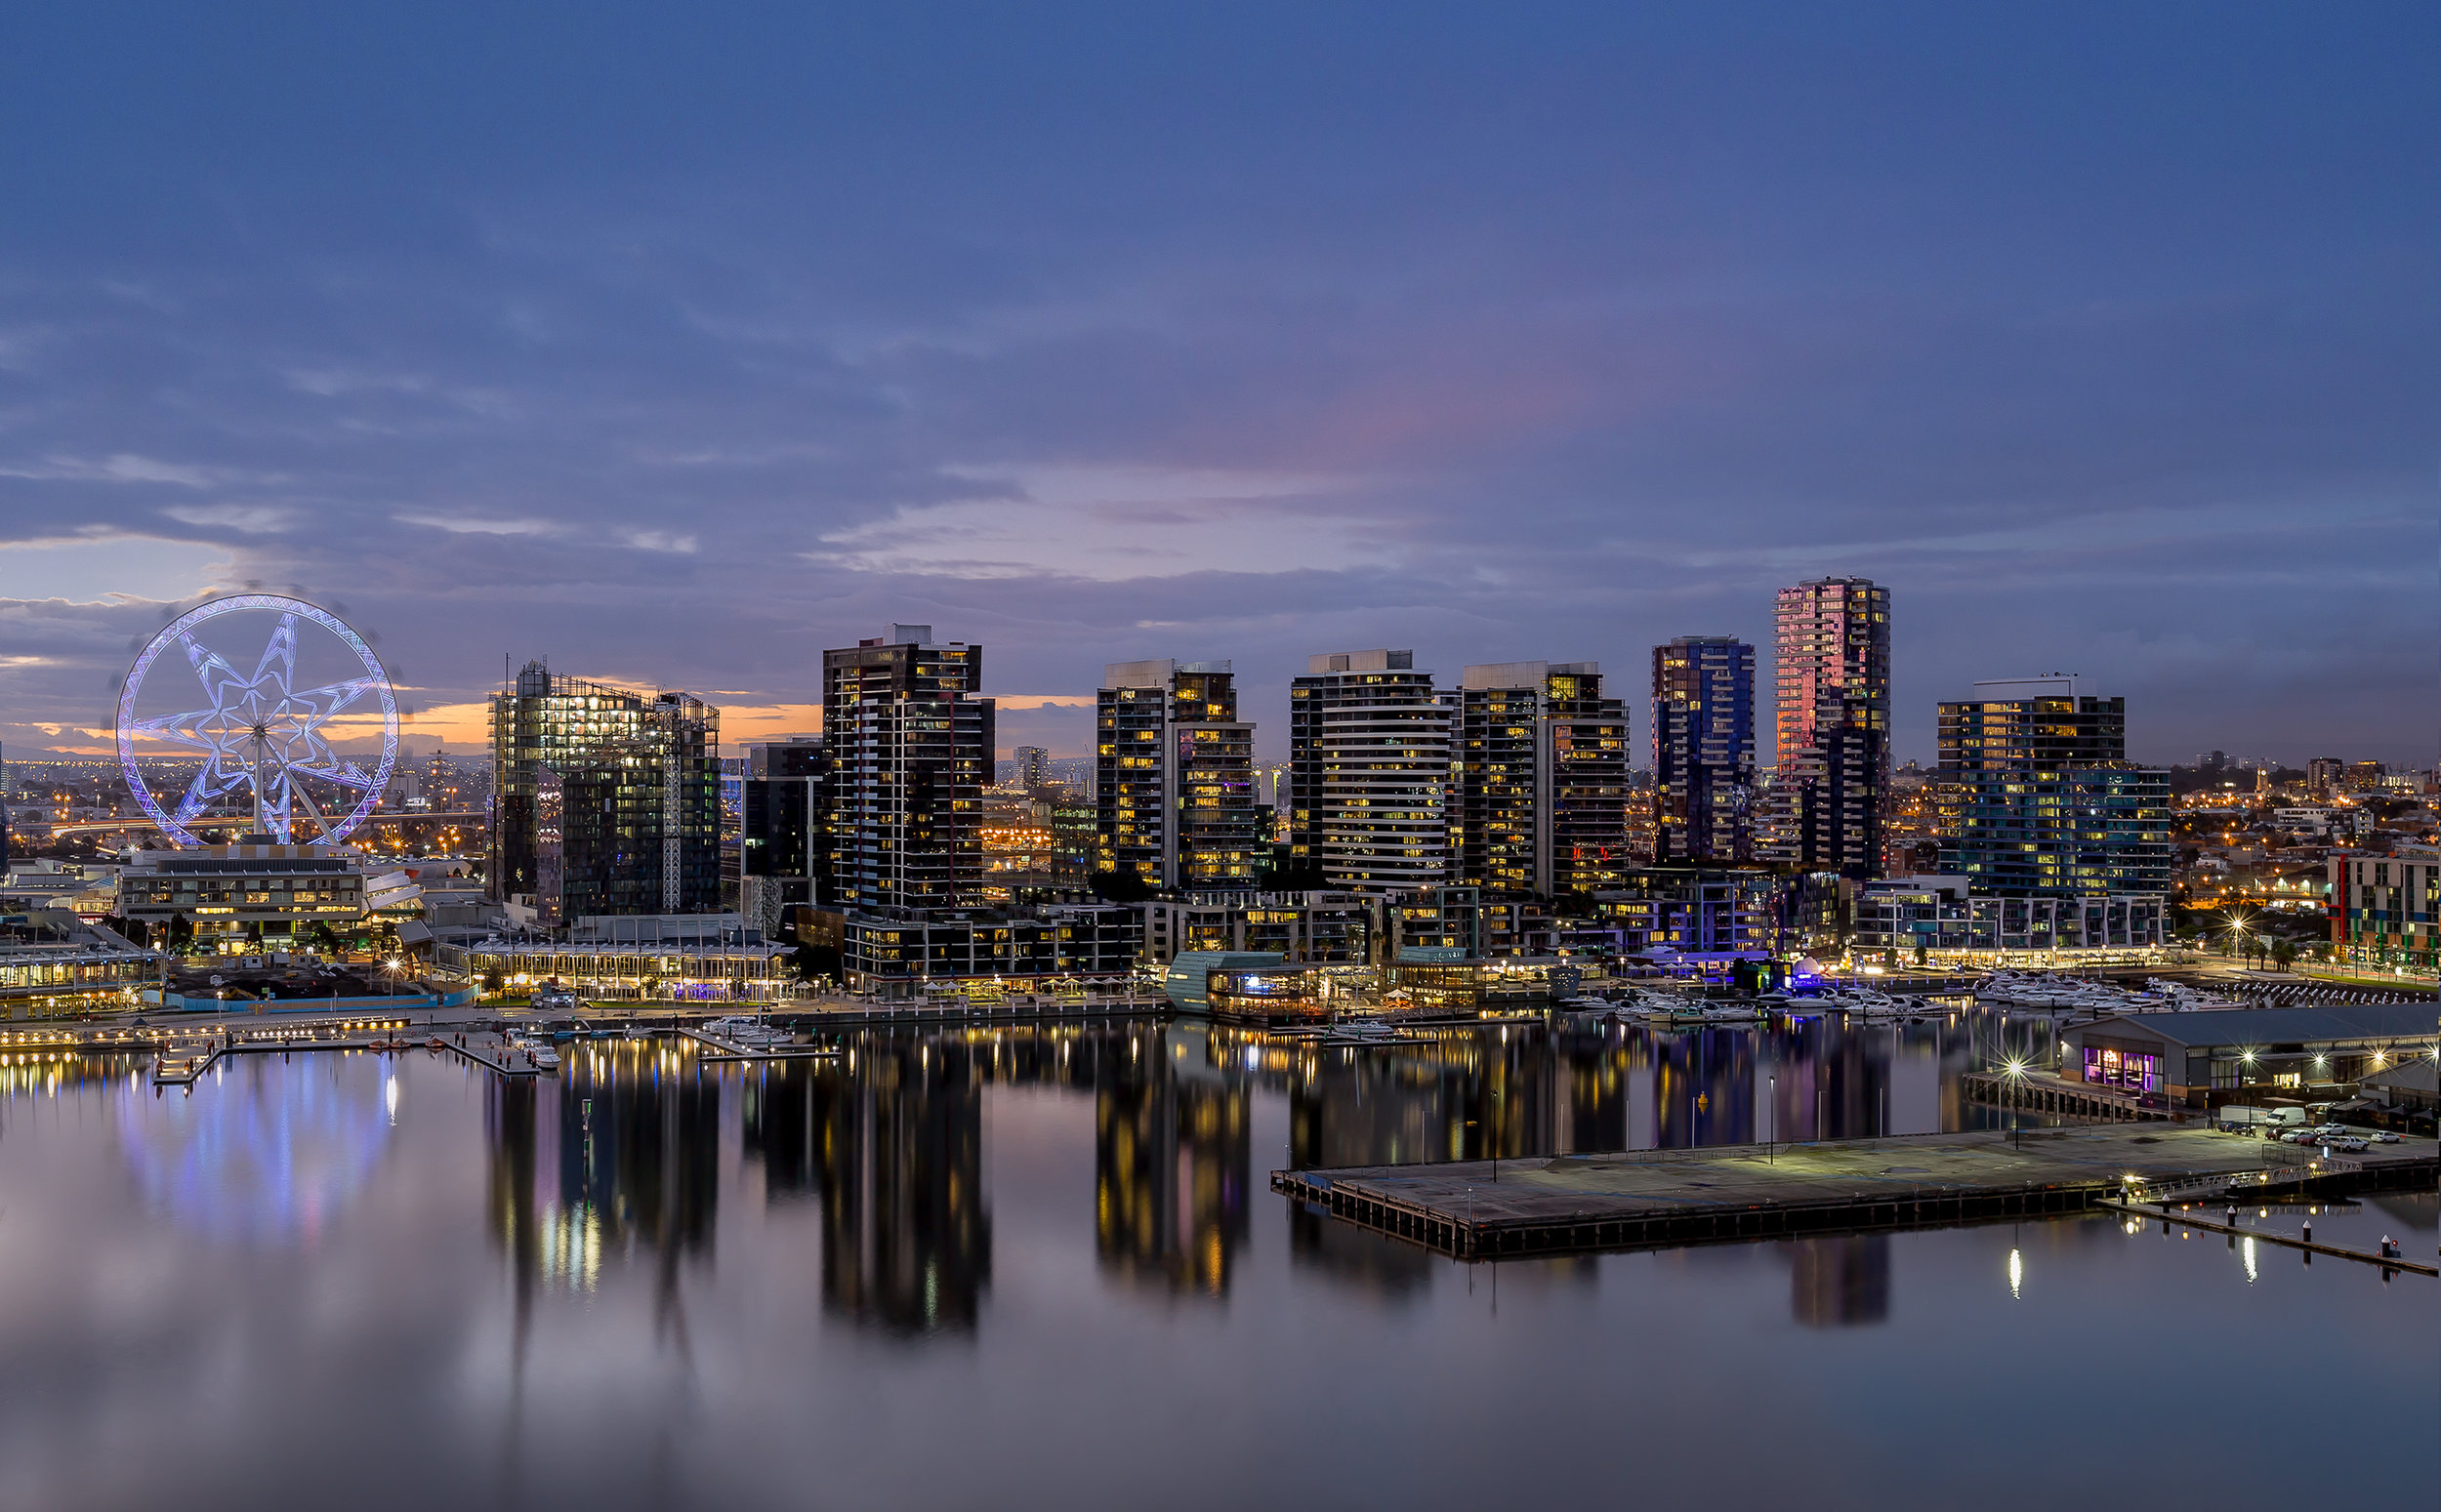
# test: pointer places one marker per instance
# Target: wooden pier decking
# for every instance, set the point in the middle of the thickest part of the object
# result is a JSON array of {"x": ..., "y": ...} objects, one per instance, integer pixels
[{"x": 1545, "y": 1205}]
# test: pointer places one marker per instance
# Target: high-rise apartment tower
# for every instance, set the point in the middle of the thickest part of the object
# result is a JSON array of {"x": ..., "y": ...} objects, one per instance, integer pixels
[
  {"x": 1174, "y": 777},
  {"x": 2044, "y": 799},
  {"x": 1369, "y": 747},
  {"x": 784, "y": 858},
  {"x": 908, "y": 741},
  {"x": 1834, "y": 760},
  {"x": 1702, "y": 750},
  {"x": 1540, "y": 779}
]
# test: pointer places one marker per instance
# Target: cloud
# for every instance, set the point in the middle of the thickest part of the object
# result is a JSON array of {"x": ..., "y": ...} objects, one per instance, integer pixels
[
  {"x": 663, "y": 541},
  {"x": 109, "y": 569},
  {"x": 1119, "y": 522},
  {"x": 128, "y": 467},
  {"x": 252, "y": 518},
  {"x": 478, "y": 525}
]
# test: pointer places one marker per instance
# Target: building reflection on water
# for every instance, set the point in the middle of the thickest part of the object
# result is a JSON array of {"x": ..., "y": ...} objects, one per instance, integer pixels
[
  {"x": 888, "y": 1140},
  {"x": 1171, "y": 1144},
  {"x": 617, "y": 1163},
  {"x": 1841, "y": 1281}
]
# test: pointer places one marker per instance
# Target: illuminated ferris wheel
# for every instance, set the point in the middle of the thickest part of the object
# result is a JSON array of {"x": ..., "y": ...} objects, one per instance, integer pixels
[{"x": 262, "y": 737}]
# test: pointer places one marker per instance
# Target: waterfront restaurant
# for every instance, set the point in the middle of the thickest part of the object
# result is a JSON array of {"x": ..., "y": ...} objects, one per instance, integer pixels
[
  {"x": 52, "y": 962},
  {"x": 2233, "y": 1056},
  {"x": 712, "y": 958}
]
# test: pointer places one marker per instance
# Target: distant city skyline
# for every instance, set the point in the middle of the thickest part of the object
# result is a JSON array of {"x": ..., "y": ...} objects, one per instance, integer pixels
[{"x": 685, "y": 349}]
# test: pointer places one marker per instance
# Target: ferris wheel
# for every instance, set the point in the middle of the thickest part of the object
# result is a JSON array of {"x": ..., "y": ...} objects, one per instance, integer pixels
[{"x": 260, "y": 732}]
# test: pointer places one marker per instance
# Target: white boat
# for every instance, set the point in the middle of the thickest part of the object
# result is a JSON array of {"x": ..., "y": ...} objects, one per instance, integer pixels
[
  {"x": 1359, "y": 1031},
  {"x": 747, "y": 1033},
  {"x": 544, "y": 1056}
]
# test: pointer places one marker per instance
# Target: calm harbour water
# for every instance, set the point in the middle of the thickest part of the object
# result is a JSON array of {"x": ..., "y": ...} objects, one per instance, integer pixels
[{"x": 1044, "y": 1268}]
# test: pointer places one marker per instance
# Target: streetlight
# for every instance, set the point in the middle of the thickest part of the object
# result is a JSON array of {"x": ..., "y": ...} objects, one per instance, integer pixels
[{"x": 1771, "y": 1098}]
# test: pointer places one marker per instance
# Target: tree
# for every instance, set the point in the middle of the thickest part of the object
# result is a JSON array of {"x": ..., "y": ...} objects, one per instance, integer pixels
[
  {"x": 179, "y": 933},
  {"x": 1924, "y": 956},
  {"x": 2284, "y": 953},
  {"x": 814, "y": 962},
  {"x": 493, "y": 980},
  {"x": 324, "y": 937}
]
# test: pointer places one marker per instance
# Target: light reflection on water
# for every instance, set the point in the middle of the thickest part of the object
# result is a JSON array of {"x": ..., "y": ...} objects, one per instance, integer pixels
[{"x": 1043, "y": 1267}]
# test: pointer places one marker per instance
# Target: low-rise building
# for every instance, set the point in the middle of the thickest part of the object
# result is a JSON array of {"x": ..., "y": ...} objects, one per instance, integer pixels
[
  {"x": 1942, "y": 917},
  {"x": 1323, "y": 928},
  {"x": 52, "y": 962},
  {"x": 2385, "y": 911},
  {"x": 624, "y": 958},
  {"x": 1695, "y": 910},
  {"x": 2234, "y": 1054},
  {"x": 902, "y": 951},
  {"x": 232, "y": 895}
]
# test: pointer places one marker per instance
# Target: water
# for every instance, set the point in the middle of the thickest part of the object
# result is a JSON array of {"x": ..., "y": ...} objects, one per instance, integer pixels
[{"x": 1044, "y": 1268}]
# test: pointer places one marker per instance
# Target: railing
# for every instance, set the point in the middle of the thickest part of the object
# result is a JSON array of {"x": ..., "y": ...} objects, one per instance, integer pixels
[{"x": 2286, "y": 1167}]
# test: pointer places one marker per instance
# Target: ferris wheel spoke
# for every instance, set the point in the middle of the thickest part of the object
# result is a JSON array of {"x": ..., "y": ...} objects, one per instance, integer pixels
[
  {"x": 185, "y": 729},
  {"x": 204, "y": 790},
  {"x": 275, "y": 789},
  {"x": 332, "y": 697},
  {"x": 282, "y": 650},
  {"x": 346, "y": 774},
  {"x": 212, "y": 670},
  {"x": 320, "y": 819}
]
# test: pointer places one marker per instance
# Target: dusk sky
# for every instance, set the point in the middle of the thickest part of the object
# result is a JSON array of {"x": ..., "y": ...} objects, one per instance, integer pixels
[{"x": 680, "y": 346}]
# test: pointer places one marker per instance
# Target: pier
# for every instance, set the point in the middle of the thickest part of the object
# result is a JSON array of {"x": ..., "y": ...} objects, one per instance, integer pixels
[
  {"x": 2048, "y": 1094},
  {"x": 1638, "y": 1199},
  {"x": 2168, "y": 1216}
]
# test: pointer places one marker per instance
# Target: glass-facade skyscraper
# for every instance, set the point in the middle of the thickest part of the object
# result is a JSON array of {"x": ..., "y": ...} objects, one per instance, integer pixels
[
  {"x": 2044, "y": 799},
  {"x": 1702, "y": 750},
  {"x": 1832, "y": 777},
  {"x": 603, "y": 800}
]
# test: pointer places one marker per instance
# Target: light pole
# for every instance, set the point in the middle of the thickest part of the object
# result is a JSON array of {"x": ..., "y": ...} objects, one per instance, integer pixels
[{"x": 1771, "y": 1100}]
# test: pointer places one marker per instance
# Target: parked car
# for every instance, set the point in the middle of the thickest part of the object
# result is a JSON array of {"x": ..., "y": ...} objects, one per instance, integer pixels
[
  {"x": 2380, "y": 1136},
  {"x": 2346, "y": 1142}
]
